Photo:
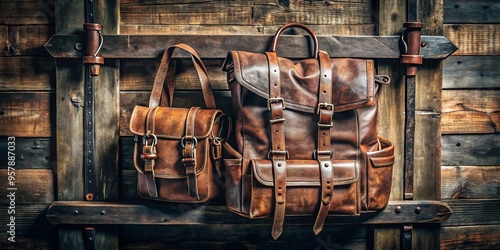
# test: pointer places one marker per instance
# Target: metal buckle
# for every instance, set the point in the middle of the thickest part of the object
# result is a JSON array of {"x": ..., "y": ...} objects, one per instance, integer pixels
[
  {"x": 275, "y": 100},
  {"x": 147, "y": 136},
  {"x": 277, "y": 152},
  {"x": 323, "y": 152},
  {"x": 183, "y": 142},
  {"x": 325, "y": 105}
]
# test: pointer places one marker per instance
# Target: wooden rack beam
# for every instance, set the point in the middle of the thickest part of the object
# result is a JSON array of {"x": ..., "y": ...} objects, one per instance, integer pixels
[
  {"x": 81, "y": 212},
  {"x": 217, "y": 46}
]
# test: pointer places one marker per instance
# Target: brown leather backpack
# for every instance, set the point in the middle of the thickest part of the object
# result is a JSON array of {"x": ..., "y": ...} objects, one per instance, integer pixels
[{"x": 305, "y": 138}]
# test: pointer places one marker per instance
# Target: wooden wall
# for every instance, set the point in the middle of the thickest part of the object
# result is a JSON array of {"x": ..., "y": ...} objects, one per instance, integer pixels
[
  {"x": 470, "y": 125},
  {"x": 470, "y": 114}
]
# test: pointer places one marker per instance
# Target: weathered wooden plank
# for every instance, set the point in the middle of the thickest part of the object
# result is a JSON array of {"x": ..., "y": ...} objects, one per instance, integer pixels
[
  {"x": 27, "y": 74},
  {"x": 470, "y": 182},
  {"x": 338, "y": 12},
  {"x": 239, "y": 232},
  {"x": 471, "y": 111},
  {"x": 474, "y": 39},
  {"x": 467, "y": 11},
  {"x": 29, "y": 219},
  {"x": 216, "y": 46},
  {"x": 31, "y": 153},
  {"x": 338, "y": 29},
  {"x": 26, "y": 12},
  {"x": 470, "y": 212},
  {"x": 27, "y": 114},
  {"x": 427, "y": 158},
  {"x": 129, "y": 99},
  {"x": 26, "y": 40},
  {"x": 476, "y": 72},
  {"x": 320, "y": 243},
  {"x": 470, "y": 150},
  {"x": 34, "y": 186},
  {"x": 31, "y": 242},
  {"x": 390, "y": 116},
  {"x": 218, "y": 12},
  {"x": 106, "y": 112},
  {"x": 470, "y": 237},
  {"x": 149, "y": 213},
  {"x": 242, "y": 237}
]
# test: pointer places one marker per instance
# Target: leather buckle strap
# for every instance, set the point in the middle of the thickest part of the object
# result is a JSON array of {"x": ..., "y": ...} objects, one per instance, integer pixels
[
  {"x": 149, "y": 154},
  {"x": 323, "y": 153},
  {"x": 188, "y": 144},
  {"x": 277, "y": 153},
  {"x": 275, "y": 100}
]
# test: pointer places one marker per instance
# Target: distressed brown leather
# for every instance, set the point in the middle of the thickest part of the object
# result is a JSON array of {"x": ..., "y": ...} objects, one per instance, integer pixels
[
  {"x": 305, "y": 136},
  {"x": 177, "y": 150}
]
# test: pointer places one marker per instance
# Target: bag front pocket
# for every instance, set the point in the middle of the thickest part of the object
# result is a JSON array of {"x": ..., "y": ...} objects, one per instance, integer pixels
[{"x": 379, "y": 175}]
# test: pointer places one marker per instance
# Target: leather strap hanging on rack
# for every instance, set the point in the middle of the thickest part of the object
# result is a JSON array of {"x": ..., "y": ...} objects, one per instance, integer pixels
[
  {"x": 92, "y": 61},
  {"x": 278, "y": 153},
  {"x": 411, "y": 58}
]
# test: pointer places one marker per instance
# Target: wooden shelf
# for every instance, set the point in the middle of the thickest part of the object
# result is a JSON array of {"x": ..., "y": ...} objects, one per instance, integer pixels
[
  {"x": 217, "y": 46},
  {"x": 82, "y": 212}
]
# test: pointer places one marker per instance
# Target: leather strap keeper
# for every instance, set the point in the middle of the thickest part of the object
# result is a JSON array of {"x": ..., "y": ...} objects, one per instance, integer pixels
[{"x": 93, "y": 57}]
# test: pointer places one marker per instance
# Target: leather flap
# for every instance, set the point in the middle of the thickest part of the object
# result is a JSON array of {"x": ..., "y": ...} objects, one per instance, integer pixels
[
  {"x": 382, "y": 161},
  {"x": 305, "y": 172},
  {"x": 353, "y": 80},
  {"x": 170, "y": 122}
]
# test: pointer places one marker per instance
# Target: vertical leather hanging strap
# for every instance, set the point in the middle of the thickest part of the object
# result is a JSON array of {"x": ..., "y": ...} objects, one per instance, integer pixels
[
  {"x": 323, "y": 152},
  {"x": 188, "y": 144},
  {"x": 278, "y": 153}
]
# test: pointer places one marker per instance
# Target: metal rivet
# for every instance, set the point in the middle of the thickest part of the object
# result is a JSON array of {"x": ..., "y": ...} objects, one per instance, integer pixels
[
  {"x": 103, "y": 212},
  {"x": 279, "y": 164},
  {"x": 418, "y": 210},
  {"x": 398, "y": 209},
  {"x": 75, "y": 212},
  {"x": 78, "y": 46},
  {"x": 423, "y": 44}
]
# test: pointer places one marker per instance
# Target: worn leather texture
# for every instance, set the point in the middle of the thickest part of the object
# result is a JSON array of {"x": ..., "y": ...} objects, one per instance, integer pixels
[
  {"x": 335, "y": 162},
  {"x": 177, "y": 149}
]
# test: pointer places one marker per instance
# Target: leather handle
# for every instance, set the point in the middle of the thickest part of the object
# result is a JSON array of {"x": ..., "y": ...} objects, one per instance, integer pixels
[
  {"x": 297, "y": 25},
  {"x": 163, "y": 70}
]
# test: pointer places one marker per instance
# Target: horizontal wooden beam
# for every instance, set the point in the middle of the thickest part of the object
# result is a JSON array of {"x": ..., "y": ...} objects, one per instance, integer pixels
[
  {"x": 217, "y": 46},
  {"x": 81, "y": 212}
]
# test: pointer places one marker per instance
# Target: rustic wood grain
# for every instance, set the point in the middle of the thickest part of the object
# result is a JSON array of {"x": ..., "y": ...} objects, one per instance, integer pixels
[
  {"x": 27, "y": 74},
  {"x": 254, "y": 29},
  {"x": 27, "y": 40},
  {"x": 470, "y": 237},
  {"x": 217, "y": 46},
  {"x": 466, "y": 11},
  {"x": 470, "y": 182},
  {"x": 471, "y": 150},
  {"x": 154, "y": 213},
  {"x": 31, "y": 153},
  {"x": 26, "y": 12},
  {"x": 242, "y": 237},
  {"x": 34, "y": 186},
  {"x": 219, "y": 12},
  {"x": 28, "y": 217},
  {"x": 470, "y": 212},
  {"x": 476, "y": 72},
  {"x": 27, "y": 114},
  {"x": 474, "y": 39},
  {"x": 427, "y": 174},
  {"x": 390, "y": 115},
  {"x": 471, "y": 111}
]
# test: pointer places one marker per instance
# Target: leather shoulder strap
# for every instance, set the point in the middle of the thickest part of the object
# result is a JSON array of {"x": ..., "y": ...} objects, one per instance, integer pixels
[{"x": 165, "y": 71}]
